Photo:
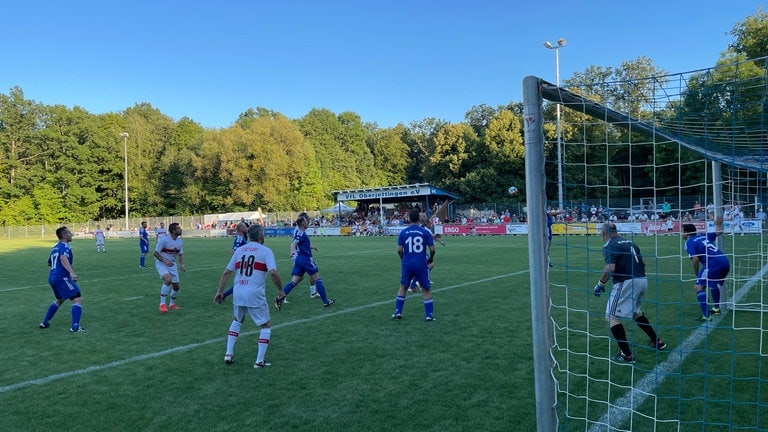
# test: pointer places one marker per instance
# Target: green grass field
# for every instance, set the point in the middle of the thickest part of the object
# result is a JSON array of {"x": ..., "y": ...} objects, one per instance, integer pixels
[{"x": 349, "y": 367}]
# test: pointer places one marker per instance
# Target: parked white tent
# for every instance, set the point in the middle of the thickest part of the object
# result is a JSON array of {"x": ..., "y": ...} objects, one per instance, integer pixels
[{"x": 340, "y": 207}]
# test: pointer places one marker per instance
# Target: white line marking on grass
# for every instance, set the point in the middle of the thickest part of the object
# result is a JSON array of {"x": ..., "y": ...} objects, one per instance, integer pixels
[
  {"x": 23, "y": 288},
  {"x": 620, "y": 410},
  {"x": 118, "y": 363}
]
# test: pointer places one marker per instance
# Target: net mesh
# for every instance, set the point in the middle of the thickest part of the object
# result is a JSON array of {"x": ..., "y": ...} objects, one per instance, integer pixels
[{"x": 652, "y": 154}]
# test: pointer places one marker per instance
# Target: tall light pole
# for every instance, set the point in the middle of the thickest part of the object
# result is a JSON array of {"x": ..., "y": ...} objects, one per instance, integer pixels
[
  {"x": 560, "y": 43},
  {"x": 125, "y": 174}
]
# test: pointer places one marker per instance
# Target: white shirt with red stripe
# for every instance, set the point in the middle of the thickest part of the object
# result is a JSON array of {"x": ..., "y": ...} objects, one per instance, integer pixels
[
  {"x": 251, "y": 263},
  {"x": 170, "y": 248}
]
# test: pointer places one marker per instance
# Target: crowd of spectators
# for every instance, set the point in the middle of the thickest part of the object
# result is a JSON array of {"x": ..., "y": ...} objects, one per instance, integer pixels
[{"x": 367, "y": 219}]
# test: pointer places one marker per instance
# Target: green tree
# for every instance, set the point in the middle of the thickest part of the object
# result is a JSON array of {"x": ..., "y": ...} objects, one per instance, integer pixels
[
  {"x": 751, "y": 36},
  {"x": 498, "y": 158},
  {"x": 419, "y": 137},
  {"x": 284, "y": 165},
  {"x": 340, "y": 148},
  {"x": 630, "y": 89},
  {"x": 479, "y": 116},
  {"x": 149, "y": 130},
  {"x": 174, "y": 175},
  {"x": 451, "y": 151},
  {"x": 390, "y": 154},
  {"x": 76, "y": 152},
  {"x": 49, "y": 206},
  {"x": 18, "y": 211},
  {"x": 21, "y": 148}
]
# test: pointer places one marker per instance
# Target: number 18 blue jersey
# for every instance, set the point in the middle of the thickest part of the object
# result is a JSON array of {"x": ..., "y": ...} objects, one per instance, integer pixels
[{"x": 415, "y": 241}]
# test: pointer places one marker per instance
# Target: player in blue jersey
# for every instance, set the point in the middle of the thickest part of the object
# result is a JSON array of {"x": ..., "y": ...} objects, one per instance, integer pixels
[
  {"x": 625, "y": 264},
  {"x": 425, "y": 222},
  {"x": 710, "y": 266},
  {"x": 143, "y": 244},
  {"x": 301, "y": 252},
  {"x": 63, "y": 281},
  {"x": 241, "y": 238},
  {"x": 551, "y": 215},
  {"x": 312, "y": 288},
  {"x": 412, "y": 245}
]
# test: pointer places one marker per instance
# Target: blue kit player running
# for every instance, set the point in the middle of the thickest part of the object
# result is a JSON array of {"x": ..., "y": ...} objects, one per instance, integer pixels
[
  {"x": 412, "y": 244},
  {"x": 241, "y": 238},
  {"x": 143, "y": 244},
  {"x": 63, "y": 281},
  {"x": 710, "y": 266},
  {"x": 301, "y": 252}
]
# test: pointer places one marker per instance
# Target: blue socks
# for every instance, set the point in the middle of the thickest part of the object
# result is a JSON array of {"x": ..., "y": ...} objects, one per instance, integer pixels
[
  {"x": 50, "y": 313},
  {"x": 716, "y": 295},
  {"x": 399, "y": 302},
  {"x": 77, "y": 312},
  {"x": 288, "y": 287},
  {"x": 701, "y": 296},
  {"x": 428, "y": 308},
  {"x": 321, "y": 290}
]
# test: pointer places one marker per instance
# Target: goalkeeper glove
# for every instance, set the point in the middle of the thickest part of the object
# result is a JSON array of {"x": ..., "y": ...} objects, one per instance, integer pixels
[{"x": 599, "y": 288}]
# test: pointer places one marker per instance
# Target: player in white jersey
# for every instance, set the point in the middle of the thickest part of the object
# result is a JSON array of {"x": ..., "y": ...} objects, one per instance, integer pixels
[
  {"x": 98, "y": 234},
  {"x": 737, "y": 218},
  {"x": 167, "y": 251},
  {"x": 160, "y": 231},
  {"x": 250, "y": 263}
]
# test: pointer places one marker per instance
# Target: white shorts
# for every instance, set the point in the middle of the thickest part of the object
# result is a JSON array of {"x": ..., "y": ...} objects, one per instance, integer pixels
[
  {"x": 172, "y": 270},
  {"x": 626, "y": 298},
  {"x": 259, "y": 314}
]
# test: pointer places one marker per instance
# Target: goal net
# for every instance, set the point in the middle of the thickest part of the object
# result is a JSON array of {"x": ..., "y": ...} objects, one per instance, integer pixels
[{"x": 650, "y": 154}]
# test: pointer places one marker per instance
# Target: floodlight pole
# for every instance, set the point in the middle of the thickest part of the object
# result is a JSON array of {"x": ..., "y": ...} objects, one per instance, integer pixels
[
  {"x": 125, "y": 174},
  {"x": 560, "y": 43}
]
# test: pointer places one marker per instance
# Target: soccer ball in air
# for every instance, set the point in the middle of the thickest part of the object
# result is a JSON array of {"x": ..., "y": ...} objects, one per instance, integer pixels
[{"x": 512, "y": 190}]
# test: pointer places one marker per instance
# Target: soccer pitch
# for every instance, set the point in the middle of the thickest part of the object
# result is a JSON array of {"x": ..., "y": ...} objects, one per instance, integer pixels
[{"x": 349, "y": 367}]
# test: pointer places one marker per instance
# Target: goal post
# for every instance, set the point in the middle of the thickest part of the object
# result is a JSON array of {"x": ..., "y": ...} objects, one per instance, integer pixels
[
  {"x": 535, "y": 184},
  {"x": 666, "y": 152}
]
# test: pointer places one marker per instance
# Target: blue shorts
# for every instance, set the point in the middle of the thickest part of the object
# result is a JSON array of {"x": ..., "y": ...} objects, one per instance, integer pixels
[
  {"x": 417, "y": 270},
  {"x": 714, "y": 274},
  {"x": 64, "y": 288},
  {"x": 144, "y": 248},
  {"x": 304, "y": 264}
]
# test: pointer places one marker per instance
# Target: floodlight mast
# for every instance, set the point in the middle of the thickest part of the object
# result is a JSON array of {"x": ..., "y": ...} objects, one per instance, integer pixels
[
  {"x": 548, "y": 45},
  {"x": 125, "y": 174}
]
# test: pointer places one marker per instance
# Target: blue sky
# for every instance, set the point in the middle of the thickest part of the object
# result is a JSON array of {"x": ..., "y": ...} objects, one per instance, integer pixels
[{"x": 389, "y": 61}]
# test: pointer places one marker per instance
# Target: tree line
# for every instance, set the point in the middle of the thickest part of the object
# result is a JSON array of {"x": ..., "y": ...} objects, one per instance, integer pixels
[{"x": 60, "y": 164}]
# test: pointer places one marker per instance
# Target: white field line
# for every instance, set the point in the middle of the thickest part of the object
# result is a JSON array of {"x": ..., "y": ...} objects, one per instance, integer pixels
[
  {"x": 118, "y": 363},
  {"x": 619, "y": 411}
]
